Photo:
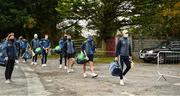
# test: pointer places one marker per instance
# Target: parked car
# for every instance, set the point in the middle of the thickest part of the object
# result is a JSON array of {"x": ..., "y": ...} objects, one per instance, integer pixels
[{"x": 168, "y": 48}]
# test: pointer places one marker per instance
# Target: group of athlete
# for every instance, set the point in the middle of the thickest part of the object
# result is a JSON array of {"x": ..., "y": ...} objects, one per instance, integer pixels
[{"x": 15, "y": 49}]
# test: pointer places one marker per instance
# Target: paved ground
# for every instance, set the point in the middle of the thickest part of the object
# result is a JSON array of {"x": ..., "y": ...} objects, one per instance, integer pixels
[{"x": 52, "y": 81}]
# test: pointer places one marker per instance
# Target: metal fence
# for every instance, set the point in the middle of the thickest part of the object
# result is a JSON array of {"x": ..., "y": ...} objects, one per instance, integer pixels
[{"x": 167, "y": 63}]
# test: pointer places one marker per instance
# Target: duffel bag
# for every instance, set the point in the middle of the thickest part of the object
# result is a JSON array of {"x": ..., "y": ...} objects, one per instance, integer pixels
[
  {"x": 82, "y": 58},
  {"x": 115, "y": 69}
]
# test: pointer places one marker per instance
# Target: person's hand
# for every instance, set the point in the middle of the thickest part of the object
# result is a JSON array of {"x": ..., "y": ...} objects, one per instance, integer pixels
[
  {"x": 16, "y": 61},
  {"x": 116, "y": 58},
  {"x": 130, "y": 58},
  {"x": 6, "y": 58}
]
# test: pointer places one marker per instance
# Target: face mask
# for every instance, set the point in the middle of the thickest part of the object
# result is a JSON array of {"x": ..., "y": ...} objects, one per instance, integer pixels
[
  {"x": 65, "y": 38},
  {"x": 11, "y": 40},
  {"x": 125, "y": 35},
  {"x": 46, "y": 37}
]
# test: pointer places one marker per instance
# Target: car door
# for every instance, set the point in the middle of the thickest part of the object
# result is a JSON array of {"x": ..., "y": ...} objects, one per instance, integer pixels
[{"x": 175, "y": 46}]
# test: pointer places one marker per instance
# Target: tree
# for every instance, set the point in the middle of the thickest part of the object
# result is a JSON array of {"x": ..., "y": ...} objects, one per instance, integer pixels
[
  {"x": 154, "y": 17},
  {"x": 101, "y": 15}
]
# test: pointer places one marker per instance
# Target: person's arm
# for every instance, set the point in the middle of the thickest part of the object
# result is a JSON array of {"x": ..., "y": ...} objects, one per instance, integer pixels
[
  {"x": 15, "y": 51},
  {"x": 49, "y": 44},
  {"x": 40, "y": 44},
  {"x": 74, "y": 47},
  {"x": 31, "y": 43},
  {"x": 130, "y": 53},
  {"x": 83, "y": 47},
  {"x": 5, "y": 51},
  {"x": 118, "y": 48}
]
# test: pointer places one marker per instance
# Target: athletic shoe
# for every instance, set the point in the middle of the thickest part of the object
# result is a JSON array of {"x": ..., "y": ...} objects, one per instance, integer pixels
[
  {"x": 72, "y": 70},
  {"x": 35, "y": 63},
  {"x": 8, "y": 81},
  {"x": 44, "y": 65},
  {"x": 94, "y": 75},
  {"x": 68, "y": 70},
  {"x": 60, "y": 66},
  {"x": 121, "y": 82},
  {"x": 85, "y": 75},
  {"x": 24, "y": 61},
  {"x": 32, "y": 63},
  {"x": 65, "y": 67}
]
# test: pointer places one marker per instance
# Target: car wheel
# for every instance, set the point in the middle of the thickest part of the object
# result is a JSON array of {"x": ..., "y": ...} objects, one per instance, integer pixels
[{"x": 161, "y": 59}]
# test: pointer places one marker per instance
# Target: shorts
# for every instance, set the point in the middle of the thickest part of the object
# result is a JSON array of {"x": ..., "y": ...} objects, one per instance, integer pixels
[{"x": 91, "y": 57}]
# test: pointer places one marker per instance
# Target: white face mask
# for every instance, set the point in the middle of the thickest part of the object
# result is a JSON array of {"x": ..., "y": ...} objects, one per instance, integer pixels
[
  {"x": 35, "y": 37},
  {"x": 46, "y": 37},
  {"x": 126, "y": 35}
]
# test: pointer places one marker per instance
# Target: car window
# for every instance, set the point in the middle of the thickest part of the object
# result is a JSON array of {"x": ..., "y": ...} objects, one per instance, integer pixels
[
  {"x": 175, "y": 44},
  {"x": 164, "y": 45}
]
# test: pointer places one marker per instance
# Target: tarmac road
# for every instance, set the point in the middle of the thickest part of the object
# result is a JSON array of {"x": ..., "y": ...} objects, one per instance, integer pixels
[{"x": 52, "y": 81}]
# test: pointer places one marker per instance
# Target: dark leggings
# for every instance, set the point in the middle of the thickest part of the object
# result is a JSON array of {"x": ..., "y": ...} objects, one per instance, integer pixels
[
  {"x": 23, "y": 51},
  {"x": 44, "y": 57},
  {"x": 35, "y": 57},
  {"x": 124, "y": 60},
  {"x": 9, "y": 69},
  {"x": 61, "y": 58}
]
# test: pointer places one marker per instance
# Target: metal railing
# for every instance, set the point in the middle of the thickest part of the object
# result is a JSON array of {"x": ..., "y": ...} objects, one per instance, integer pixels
[{"x": 167, "y": 59}]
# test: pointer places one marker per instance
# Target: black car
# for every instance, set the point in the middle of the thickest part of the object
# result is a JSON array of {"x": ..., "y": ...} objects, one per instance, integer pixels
[{"x": 168, "y": 48}]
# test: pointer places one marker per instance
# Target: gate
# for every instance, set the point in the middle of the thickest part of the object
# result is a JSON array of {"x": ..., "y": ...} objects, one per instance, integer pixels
[{"x": 167, "y": 61}]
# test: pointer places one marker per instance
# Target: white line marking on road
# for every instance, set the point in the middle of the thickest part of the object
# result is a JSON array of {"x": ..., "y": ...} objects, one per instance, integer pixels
[{"x": 126, "y": 93}]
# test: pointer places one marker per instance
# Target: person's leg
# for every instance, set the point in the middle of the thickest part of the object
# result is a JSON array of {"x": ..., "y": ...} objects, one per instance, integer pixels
[
  {"x": 7, "y": 70},
  {"x": 91, "y": 66},
  {"x": 65, "y": 60},
  {"x": 91, "y": 62},
  {"x": 19, "y": 53},
  {"x": 23, "y": 51},
  {"x": 43, "y": 57},
  {"x": 128, "y": 65},
  {"x": 60, "y": 59},
  {"x": 68, "y": 63},
  {"x": 122, "y": 68},
  {"x": 11, "y": 68},
  {"x": 84, "y": 70},
  {"x": 46, "y": 54},
  {"x": 35, "y": 58},
  {"x": 122, "y": 62}
]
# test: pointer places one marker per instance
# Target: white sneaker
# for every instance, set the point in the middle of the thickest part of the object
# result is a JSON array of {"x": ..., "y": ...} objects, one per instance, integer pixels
[
  {"x": 72, "y": 70},
  {"x": 24, "y": 61},
  {"x": 121, "y": 82},
  {"x": 60, "y": 66},
  {"x": 65, "y": 67},
  {"x": 85, "y": 75},
  {"x": 8, "y": 81},
  {"x": 44, "y": 65},
  {"x": 35, "y": 63},
  {"x": 68, "y": 70},
  {"x": 32, "y": 63},
  {"x": 94, "y": 75}
]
